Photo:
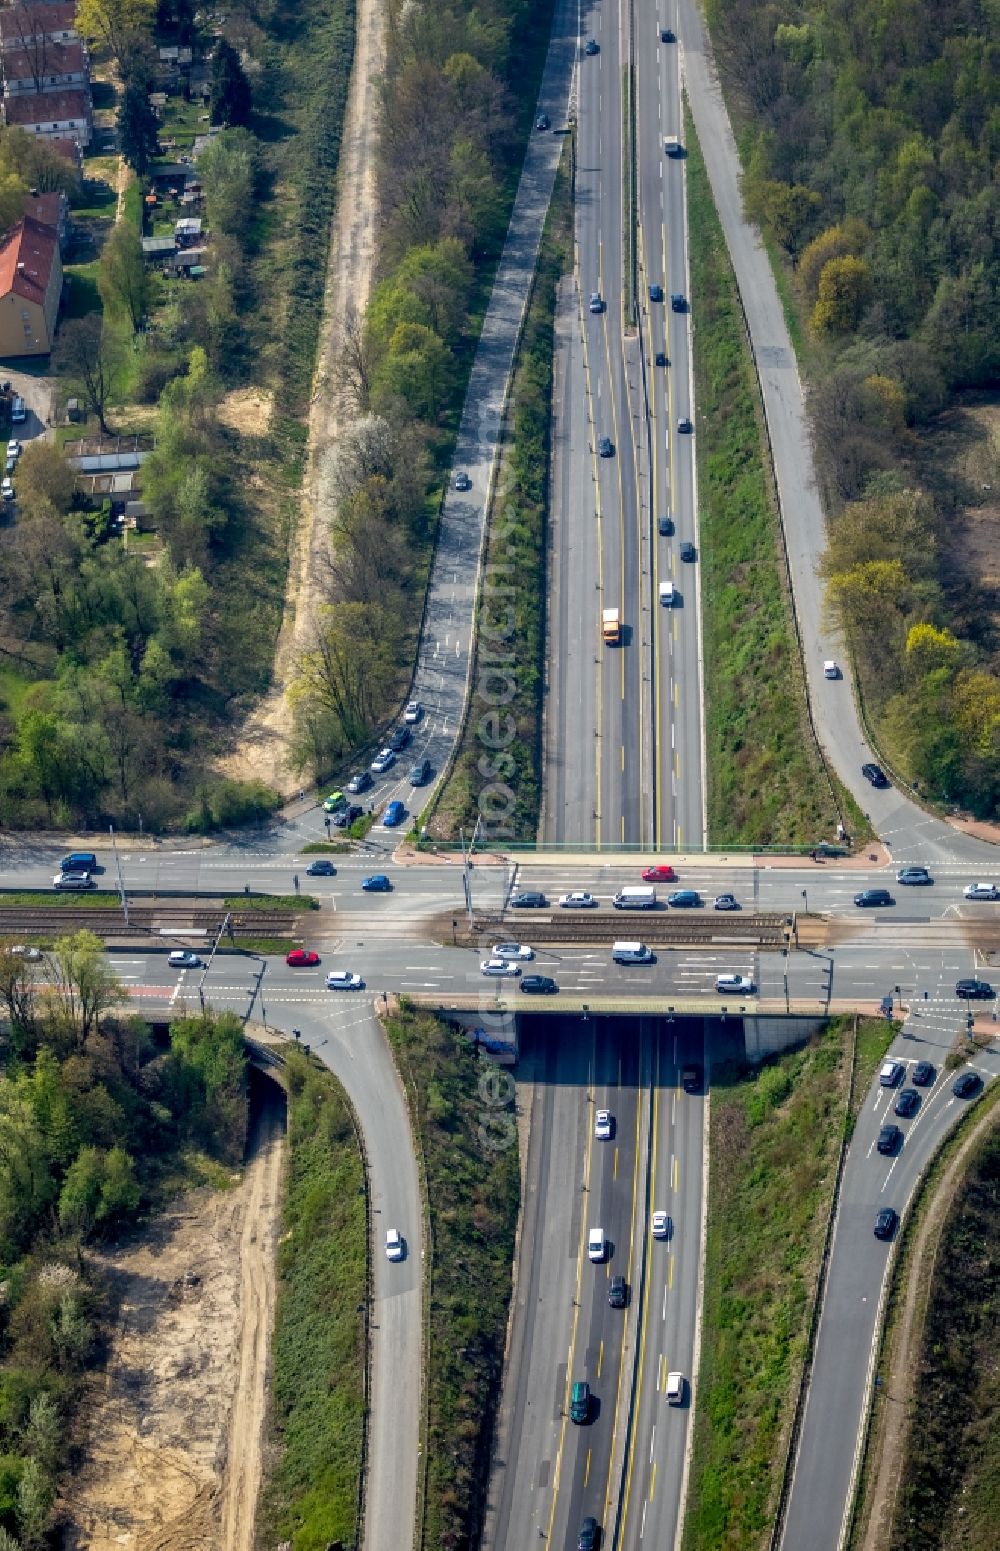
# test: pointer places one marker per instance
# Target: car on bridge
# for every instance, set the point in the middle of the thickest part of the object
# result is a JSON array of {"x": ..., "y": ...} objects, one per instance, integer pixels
[
  {"x": 586, "y": 1540},
  {"x": 540, "y": 985},
  {"x": 966, "y": 1085},
  {"x": 343, "y": 980},
  {"x": 684, "y": 899},
  {"x": 183, "y": 958},
  {"x": 383, "y": 761},
  {"x": 742, "y": 984},
  {"x": 662, "y": 872},
  {"x": 923, "y": 1074},
  {"x": 914, "y": 876},
  {"x": 889, "y": 1138},
  {"x": 500, "y": 967},
  {"x": 394, "y": 814},
  {"x": 578, "y": 900},
  {"x": 579, "y": 1402},
  {"x": 302, "y": 958},
  {"x": 875, "y": 774},
  {"x": 873, "y": 898},
  {"x": 973, "y": 990},
  {"x": 726, "y": 902},
  {"x": 907, "y": 1103},
  {"x": 597, "y": 1245},
  {"x": 885, "y": 1223},
  {"x": 378, "y": 883},
  {"x": 604, "y": 1125},
  {"x": 511, "y": 950},
  {"x": 395, "y": 1244},
  {"x": 618, "y": 1293},
  {"x": 321, "y": 868},
  {"x": 981, "y": 891},
  {"x": 605, "y": 447}
]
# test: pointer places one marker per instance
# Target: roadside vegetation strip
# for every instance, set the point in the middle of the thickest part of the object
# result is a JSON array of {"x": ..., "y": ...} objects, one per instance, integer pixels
[
  {"x": 462, "y": 1109},
  {"x": 766, "y": 780},
  {"x": 775, "y": 1139},
  {"x": 517, "y": 538},
  {"x": 939, "y": 1342},
  {"x": 319, "y": 1356}
]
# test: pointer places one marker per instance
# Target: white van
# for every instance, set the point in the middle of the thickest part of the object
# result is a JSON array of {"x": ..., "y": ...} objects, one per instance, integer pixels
[
  {"x": 597, "y": 1245},
  {"x": 668, "y": 594},
  {"x": 18, "y": 413},
  {"x": 635, "y": 897},
  {"x": 632, "y": 953},
  {"x": 675, "y": 1389}
]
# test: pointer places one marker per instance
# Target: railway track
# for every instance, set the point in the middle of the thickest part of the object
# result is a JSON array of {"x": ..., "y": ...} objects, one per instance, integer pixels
[
  {"x": 767, "y": 929},
  {"x": 143, "y": 921}
]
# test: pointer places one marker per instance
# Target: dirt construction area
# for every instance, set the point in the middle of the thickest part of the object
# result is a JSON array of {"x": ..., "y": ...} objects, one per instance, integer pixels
[{"x": 171, "y": 1456}]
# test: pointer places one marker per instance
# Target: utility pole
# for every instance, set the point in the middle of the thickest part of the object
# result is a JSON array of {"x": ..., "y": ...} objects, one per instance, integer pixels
[{"x": 118, "y": 867}]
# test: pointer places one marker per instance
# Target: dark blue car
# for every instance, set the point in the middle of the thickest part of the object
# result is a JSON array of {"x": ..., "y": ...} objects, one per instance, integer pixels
[
  {"x": 393, "y": 815},
  {"x": 378, "y": 883}
]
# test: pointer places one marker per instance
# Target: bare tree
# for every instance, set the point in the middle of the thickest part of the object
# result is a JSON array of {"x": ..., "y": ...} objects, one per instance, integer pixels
[
  {"x": 85, "y": 352},
  {"x": 352, "y": 372}
]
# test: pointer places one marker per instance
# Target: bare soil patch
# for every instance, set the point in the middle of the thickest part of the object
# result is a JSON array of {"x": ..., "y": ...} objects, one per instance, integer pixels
[
  {"x": 172, "y": 1451},
  {"x": 247, "y": 411},
  {"x": 263, "y": 748}
]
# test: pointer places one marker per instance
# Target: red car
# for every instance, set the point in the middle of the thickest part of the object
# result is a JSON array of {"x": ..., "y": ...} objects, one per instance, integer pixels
[
  {"x": 302, "y": 958},
  {"x": 663, "y": 873}
]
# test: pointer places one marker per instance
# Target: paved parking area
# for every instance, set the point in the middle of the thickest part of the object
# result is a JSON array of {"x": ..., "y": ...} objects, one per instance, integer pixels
[{"x": 37, "y": 394}]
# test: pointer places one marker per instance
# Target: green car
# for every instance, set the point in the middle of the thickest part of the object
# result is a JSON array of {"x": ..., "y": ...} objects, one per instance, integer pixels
[
  {"x": 579, "y": 1402},
  {"x": 334, "y": 802}
]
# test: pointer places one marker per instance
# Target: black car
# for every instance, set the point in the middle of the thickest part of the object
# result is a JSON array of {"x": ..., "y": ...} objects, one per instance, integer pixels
[
  {"x": 889, "y": 1138},
  {"x": 347, "y": 815},
  {"x": 543, "y": 121},
  {"x": 421, "y": 773},
  {"x": 875, "y": 774},
  {"x": 684, "y": 426},
  {"x": 605, "y": 447},
  {"x": 360, "y": 782},
  {"x": 661, "y": 358},
  {"x": 906, "y": 1104},
  {"x": 656, "y": 293},
  {"x": 666, "y": 526},
  {"x": 677, "y": 301},
  {"x": 378, "y": 883},
  {"x": 966, "y": 1084},
  {"x": 591, "y": 46},
  {"x": 915, "y": 876},
  {"x": 618, "y": 1292},
  {"x": 666, "y": 36},
  {"x": 687, "y": 550},
  {"x": 691, "y": 1079},
  {"x": 923, "y": 1074},
  {"x": 973, "y": 990},
  {"x": 528, "y": 899},
  {"x": 541, "y": 985},
  {"x": 321, "y": 869},
  {"x": 399, "y": 739},
  {"x": 885, "y": 1223},
  {"x": 587, "y": 1538},
  {"x": 873, "y": 897}
]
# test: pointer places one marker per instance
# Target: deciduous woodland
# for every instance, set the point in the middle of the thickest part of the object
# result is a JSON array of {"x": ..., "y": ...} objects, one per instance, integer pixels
[{"x": 869, "y": 136}]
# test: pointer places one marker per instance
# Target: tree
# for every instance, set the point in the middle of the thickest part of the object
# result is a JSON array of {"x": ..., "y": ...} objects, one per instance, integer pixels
[
  {"x": 123, "y": 26},
  {"x": 120, "y": 1193},
  {"x": 17, "y": 995},
  {"x": 416, "y": 368},
  {"x": 13, "y": 198},
  {"x": 123, "y": 277},
  {"x": 86, "y": 352},
  {"x": 36, "y": 163},
  {"x": 228, "y": 171},
  {"x": 35, "y": 1495},
  {"x": 85, "y": 985},
  {"x": 138, "y": 127},
  {"x": 230, "y": 101},
  {"x": 80, "y": 1196},
  {"x": 845, "y": 288},
  {"x": 44, "y": 475},
  {"x": 787, "y": 210}
]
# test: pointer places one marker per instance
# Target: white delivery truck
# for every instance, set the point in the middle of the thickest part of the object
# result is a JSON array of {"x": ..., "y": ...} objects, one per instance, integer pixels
[
  {"x": 632, "y": 953},
  {"x": 639, "y": 897}
]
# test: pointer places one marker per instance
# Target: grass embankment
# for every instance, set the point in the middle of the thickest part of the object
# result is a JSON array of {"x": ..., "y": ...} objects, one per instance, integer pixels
[
  {"x": 517, "y": 543},
  {"x": 100, "y": 899},
  {"x": 271, "y": 902},
  {"x": 945, "y": 1493},
  {"x": 775, "y": 1140},
  {"x": 310, "y": 1495},
  {"x": 766, "y": 781},
  {"x": 463, "y": 1116}
]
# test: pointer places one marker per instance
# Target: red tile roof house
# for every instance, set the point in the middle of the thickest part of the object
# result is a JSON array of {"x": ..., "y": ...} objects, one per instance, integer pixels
[
  {"x": 44, "y": 66},
  {"x": 64, "y": 114},
  {"x": 24, "y": 25},
  {"x": 30, "y": 288}
]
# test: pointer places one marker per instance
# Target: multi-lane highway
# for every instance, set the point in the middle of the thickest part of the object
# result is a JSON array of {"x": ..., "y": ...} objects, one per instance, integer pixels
[{"x": 624, "y": 726}]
